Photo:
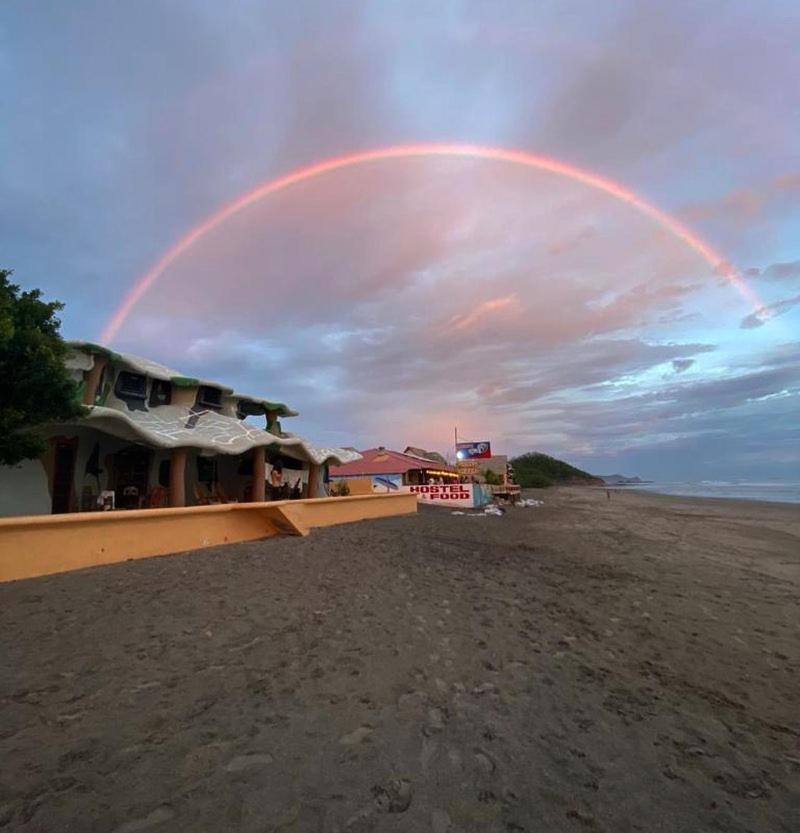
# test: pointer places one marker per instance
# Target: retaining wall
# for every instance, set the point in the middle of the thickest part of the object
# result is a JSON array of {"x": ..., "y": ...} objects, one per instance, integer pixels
[{"x": 38, "y": 545}]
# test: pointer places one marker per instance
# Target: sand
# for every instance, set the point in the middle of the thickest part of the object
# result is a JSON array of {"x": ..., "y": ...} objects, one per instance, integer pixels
[{"x": 586, "y": 665}]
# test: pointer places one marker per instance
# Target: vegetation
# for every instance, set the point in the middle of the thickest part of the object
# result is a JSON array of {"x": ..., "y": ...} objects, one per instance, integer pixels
[
  {"x": 35, "y": 386},
  {"x": 339, "y": 488},
  {"x": 538, "y": 471},
  {"x": 493, "y": 478}
]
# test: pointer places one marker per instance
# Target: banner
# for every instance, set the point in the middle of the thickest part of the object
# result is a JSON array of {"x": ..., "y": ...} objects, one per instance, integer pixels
[
  {"x": 451, "y": 494},
  {"x": 473, "y": 451}
]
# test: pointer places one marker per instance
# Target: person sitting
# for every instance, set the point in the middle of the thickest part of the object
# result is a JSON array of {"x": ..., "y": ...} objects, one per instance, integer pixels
[{"x": 275, "y": 482}]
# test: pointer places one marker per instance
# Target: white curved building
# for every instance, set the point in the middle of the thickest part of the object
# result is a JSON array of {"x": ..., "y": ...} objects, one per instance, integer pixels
[{"x": 153, "y": 437}]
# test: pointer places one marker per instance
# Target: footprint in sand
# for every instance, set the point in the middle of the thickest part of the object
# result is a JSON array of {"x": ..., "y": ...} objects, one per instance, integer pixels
[
  {"x": 159, "y": 815},
  {"x": 440, "y": 821},
  {"x": 356, "y": 736},
  {"x": 242, "y": 762},
  {"x": 485, "y": 761}
]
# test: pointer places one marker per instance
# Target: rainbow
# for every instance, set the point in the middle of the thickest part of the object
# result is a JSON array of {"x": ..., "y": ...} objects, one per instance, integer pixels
[{"x": 516, "y": 157}]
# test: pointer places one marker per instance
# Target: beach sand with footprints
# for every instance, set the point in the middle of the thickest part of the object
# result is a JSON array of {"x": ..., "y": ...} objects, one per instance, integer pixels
[{"x": 585, "y": 665}]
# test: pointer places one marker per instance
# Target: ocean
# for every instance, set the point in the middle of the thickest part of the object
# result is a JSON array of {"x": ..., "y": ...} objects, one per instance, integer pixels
[{"x": 772, "y": 492}]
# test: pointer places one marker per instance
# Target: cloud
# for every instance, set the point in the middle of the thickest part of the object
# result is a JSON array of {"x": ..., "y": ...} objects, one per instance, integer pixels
[
  {"x": 373, "y": 299},
  {"x": 767, "y": 312},
  {"x": 782, "y": 271}
]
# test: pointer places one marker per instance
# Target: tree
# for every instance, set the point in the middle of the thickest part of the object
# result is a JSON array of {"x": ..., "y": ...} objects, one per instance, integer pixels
[
  {"x": 492, "y": 478},
  {"x": 35, "y": 386}
]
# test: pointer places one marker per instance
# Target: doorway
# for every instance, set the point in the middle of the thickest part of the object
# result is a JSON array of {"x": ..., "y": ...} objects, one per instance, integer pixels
[
  {"x": 63, "y": 475},
  {"x": 131, "y": 467}
]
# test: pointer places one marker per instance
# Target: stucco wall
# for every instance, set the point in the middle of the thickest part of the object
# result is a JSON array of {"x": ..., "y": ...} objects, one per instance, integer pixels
[{"x": 24, "y": 489}]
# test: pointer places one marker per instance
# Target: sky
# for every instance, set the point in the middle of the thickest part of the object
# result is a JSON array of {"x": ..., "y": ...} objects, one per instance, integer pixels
[{"x": 391, "y": 301}]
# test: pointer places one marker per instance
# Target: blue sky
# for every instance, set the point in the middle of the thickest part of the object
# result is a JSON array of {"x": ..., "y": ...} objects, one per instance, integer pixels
[{"x": 613, "y": 345}]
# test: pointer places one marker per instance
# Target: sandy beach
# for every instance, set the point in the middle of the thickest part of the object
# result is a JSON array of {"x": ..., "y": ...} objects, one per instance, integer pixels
[{"x": 586, "y": 665}]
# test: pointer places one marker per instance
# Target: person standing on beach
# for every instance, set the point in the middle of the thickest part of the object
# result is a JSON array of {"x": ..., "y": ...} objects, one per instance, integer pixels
[{"x": 608, "y": 494}]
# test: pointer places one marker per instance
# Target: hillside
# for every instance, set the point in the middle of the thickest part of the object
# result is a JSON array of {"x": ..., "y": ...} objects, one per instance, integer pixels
[{"x": 538, "y": 471}]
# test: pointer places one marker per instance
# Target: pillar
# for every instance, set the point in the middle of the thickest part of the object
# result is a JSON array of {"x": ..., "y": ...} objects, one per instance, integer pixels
[
  {"x": 259, "y": 474},
  {"x": 315, "y": 481},
  {"x": 93, "y": 380},
  {"x": 177, "y": 477}
]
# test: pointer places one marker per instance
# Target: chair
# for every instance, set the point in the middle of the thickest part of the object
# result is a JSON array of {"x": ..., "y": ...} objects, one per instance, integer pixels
[
  {"x": 218, "y": 494},
  {"x": 157, "y": 498},
  {"x": 202, "y": 495}
]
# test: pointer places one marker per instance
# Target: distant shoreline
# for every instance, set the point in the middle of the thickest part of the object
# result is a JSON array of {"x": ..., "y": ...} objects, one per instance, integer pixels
[{"x": 787, "y": 494}]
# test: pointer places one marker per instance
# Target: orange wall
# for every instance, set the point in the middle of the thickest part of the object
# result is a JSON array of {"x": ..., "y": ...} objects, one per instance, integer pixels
[
  {"x": 43, "y": 544},
  {"x": 358, "y": 485}
]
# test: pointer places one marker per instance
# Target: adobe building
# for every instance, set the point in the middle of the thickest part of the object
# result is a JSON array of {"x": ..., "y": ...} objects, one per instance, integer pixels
[{"x": 153, "y": 438}]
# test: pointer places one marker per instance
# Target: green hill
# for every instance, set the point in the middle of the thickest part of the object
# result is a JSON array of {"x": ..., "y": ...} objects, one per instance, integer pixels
[{"x": 538, "y": 471}]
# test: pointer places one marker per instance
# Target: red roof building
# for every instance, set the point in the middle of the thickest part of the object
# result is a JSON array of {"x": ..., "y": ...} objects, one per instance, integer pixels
[{"x": 383, "y": 461}]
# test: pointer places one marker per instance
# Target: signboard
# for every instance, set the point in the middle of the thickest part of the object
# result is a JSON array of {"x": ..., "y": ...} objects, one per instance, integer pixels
[
  {"x": 453, "y": 494},
  {"x": 473, "y": 451},
  {"x": 468, "y": 468}
]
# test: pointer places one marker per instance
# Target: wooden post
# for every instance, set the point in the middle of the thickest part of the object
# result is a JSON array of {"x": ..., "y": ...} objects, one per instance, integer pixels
[
  {"x": 315, "y": 481},
  {"x": 259, "y": 474},
  {"x": 93, "y": 379},
  {"x": 177, "y": 477}
]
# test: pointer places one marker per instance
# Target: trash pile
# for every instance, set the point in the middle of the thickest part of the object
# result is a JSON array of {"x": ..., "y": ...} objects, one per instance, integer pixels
[{"x": 494, "y": 509}]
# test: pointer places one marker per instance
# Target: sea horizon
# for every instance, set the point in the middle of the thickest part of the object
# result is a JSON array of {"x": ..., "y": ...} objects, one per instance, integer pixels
[{"x": 768, "y": 491}]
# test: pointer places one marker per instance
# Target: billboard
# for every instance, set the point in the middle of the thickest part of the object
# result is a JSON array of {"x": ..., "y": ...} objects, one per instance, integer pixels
[{"x": 473, "y": 451}]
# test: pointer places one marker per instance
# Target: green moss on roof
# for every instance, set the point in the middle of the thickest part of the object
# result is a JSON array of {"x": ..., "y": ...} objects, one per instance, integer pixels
[
  {"x": 99, "y": 350},
  {"x": 184, "y": 381},
  {"x": 279, "y": 407}
]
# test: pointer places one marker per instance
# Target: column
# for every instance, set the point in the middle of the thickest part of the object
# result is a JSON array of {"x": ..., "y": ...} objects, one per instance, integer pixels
[
  {"x": 315, "y": 481},
  {"x": 259, "y": 474},
  {"x": 177, "y": 477}
]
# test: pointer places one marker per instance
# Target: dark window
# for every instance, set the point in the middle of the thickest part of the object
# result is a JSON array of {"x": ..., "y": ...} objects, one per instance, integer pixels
[
  {"x": 283, "y": 461},
  {"x": 209, "y": 397},
  {"x": 245, "y": 408},
  {"x": 131, "y": 385},
  {"x": 207, "y": 469},
  {"x": 160, "y": 393},
  {"x": 163, "y": 473}
]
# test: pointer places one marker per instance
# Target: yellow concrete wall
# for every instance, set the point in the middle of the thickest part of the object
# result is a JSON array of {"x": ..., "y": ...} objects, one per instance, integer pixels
[
  {"x": 357, "y": 485},
  {"x": 43, "y": 544}
]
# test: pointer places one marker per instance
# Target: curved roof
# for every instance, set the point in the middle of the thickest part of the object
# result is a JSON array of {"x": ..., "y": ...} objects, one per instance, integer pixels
[
  {"x": 182, "y": 426},
  {"x": 154, "y": 370},
  {"x": 178, "y": 426}
]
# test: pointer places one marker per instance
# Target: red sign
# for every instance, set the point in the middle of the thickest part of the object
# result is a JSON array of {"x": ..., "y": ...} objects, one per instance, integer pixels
[{"x": 474, "y": 451}]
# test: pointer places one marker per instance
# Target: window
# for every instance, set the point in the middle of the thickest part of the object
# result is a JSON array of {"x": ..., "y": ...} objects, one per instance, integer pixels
[
  {"x": 160, "y": 393},
  {"x": 209, "y": 397},
  {"x": 131, "y": 385},
  {"x": 246, "y": 408}
]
